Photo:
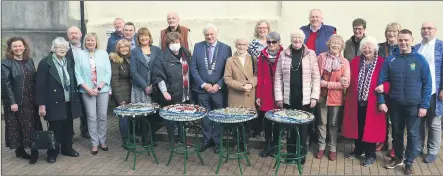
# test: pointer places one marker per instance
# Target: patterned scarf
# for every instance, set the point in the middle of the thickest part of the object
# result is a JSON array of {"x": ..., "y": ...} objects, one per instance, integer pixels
[
  {"x": 364, "y": 77},
  {"x": 332, "y": 63}
]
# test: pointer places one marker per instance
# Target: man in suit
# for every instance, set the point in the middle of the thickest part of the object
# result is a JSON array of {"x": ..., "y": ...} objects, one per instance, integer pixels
[
  {"x": 207, "y": 70},
  {"x": 75, "y": 47}
]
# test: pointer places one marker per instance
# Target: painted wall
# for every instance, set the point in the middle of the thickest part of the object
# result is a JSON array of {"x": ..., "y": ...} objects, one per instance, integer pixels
[{"x": 235, "y": 19}]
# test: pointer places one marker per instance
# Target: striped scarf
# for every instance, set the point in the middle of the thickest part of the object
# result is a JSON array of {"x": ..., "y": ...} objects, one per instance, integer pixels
[{"x": 364, "y": 78}]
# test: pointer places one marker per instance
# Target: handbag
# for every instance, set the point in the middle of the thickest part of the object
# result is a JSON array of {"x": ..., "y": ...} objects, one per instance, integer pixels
[{"x": 43, "y": 139}]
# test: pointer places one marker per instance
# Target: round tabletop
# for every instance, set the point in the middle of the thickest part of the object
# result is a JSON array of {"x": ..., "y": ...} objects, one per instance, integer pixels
[
  {"x": 136, "y": 109},
  {"x": 290, "y": 116},
  {"x": 232, "y": 115},
  {"x": 182, "y": 112}
]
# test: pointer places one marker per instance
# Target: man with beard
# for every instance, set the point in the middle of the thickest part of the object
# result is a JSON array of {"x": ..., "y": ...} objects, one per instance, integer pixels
[{"x": 75, "y": 48}]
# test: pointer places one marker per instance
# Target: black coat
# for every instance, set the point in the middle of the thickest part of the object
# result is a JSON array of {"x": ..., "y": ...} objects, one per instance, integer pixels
[
  {"x": 12, "y": 81},
  {"x": 169, "y": 69},
  {"x": 50, "y": 91}
]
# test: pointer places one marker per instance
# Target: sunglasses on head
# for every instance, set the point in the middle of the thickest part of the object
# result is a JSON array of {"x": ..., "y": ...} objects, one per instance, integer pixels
[{"x": 273, "y": 42}]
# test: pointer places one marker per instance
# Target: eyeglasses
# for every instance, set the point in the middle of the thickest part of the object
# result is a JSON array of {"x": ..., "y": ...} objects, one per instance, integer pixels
[
  {"x": 359, "y": 29},
  {"x": 428, "y": 28},
  {"x": 261, "y": 28},
  {"x": 273, "y": 42}
]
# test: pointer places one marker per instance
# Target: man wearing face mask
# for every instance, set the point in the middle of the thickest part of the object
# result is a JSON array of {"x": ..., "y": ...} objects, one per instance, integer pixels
[
  {"x": 352, "y": 44},
  {"x": 171, "y": 75},
  {"x": 119, "y": 24},
  {"x": 173, "y": 26},
  {"x": 207, "y": 69}
]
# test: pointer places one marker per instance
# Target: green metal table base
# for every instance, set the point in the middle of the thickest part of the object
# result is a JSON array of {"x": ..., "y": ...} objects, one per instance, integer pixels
[
  {"x": 131, "y": 143},
  {"x": 301, "y": 152},
  {"x": 183, "y": 148},
  {"x": 241, "y": 151}
]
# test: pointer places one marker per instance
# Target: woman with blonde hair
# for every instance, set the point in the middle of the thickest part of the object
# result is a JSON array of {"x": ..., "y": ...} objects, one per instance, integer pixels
[
  {"x": 93, "y": 73},
  {"x": 121, "y": 81},
  {"x": 261, "y": 30},
  {"x": 334, "y": 75},
  {"x": 385, "y": 50}
]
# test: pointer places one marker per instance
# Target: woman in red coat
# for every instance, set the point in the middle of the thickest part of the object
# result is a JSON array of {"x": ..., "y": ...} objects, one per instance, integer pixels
[
  {"x": 266, "y": 66},
  {"x": 363, "y": 119}
]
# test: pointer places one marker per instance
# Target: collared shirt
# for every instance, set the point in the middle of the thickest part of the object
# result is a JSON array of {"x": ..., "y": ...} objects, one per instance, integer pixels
[
  {"x": 62, "y": 66},
  {"x": 76, "y": 51},
  {"x": 133, "y": 45},
  {"x": 427, "y": 50},
  {"x": 312, "y": 29},
  {"x": 212, "y": 53}
]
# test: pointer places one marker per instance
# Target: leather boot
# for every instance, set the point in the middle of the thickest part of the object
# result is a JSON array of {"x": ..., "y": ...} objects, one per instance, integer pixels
[
  {"x": 34, "y": 157},
  {"x": 21, "y": 153}
]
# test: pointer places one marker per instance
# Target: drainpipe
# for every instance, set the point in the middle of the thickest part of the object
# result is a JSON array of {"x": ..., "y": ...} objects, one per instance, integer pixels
[{"x": 82, "y": 19}]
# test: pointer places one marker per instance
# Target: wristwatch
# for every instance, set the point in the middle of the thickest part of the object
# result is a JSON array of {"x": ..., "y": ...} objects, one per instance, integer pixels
[{"x": 99, "y": 88}]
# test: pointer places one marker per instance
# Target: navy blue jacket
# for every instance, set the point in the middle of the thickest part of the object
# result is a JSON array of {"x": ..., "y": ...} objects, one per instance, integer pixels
[
  {"x": 323, "y": 35},
  {"x": 410, "y": 78},
  {"x": 112, "y": 42},
  {"x": 198, "y": 70},
  {"x": 139, "y": 69}
]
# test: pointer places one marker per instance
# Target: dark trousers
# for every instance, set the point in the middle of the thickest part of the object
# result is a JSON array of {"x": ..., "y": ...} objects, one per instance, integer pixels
[
  {"x": 360, "y": 145},
  {"x": 401, "y": 116},
  {"x": 156, "y": 123},
  {"x": 303, "y": 131},
  {"x": 271, "y": 131},
  {"x": 63, "y": 133},
  {"x": 172, "y": 125},
  {"x": 211, "y": 130},
  {"x": 256, "y": 125}
]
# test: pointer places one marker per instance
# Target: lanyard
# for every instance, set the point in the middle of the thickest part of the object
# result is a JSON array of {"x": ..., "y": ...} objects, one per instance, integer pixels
[{"x": 211, "y": 66}]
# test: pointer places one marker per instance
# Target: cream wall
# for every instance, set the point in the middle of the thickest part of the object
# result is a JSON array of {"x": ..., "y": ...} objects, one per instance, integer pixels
[{"x": 236, "y": 19}]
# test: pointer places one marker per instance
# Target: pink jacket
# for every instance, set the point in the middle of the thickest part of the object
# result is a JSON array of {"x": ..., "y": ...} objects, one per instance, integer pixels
[
  {"x": 310, "y": 77},
  {"x": 335, "y": 88}
]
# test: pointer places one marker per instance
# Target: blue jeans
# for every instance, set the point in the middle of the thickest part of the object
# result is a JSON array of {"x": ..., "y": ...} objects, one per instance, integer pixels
[
  {"x": 123, "y": 125},
  {"x": 401, "y": 116},
  {"x": 432, "y": 124}
]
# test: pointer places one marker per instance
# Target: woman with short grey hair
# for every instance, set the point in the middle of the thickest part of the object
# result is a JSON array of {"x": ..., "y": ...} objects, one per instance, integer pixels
[
  {"x": 364, "y": 120},
  {"x": 266, "y": 66},
  {"x": 58, "y": 98},
  {"x": 297, "y": 84}
]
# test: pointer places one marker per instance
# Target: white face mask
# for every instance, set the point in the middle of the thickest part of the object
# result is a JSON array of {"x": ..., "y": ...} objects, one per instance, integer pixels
[{"x": 174, "y": 46}]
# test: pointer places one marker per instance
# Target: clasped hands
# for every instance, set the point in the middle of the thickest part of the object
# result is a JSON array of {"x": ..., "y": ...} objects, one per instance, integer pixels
[{"x": 211, "y": 88}]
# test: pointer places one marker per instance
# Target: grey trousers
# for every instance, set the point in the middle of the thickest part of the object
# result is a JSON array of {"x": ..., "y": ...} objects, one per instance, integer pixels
[
  {"x": 96, "y": 111},
  {"x": 329, "y": 117}
]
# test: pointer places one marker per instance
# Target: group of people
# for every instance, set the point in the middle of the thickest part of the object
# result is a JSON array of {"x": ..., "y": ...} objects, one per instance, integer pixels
[{"x": 359, "y": 86}]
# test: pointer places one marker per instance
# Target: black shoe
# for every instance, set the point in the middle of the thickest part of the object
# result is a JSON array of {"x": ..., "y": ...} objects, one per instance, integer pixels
[
  {"x": 21, "y": 153},
  {"x": 86, "y": 135},
  {"x": 354, "y": 155},
  {"x": 104, "y": 148},
  {"x": 217, "y": 149},
  {"x": 34, "y": 157},
  {"x": 94, "y": 152},
  {"x": 51, "y": 159},
  {"x": 369, "y": 161},
  {"x": 73, "y": 153},
  {"x": 205, "y": 146},
  {"x": 265, "y": 153}
]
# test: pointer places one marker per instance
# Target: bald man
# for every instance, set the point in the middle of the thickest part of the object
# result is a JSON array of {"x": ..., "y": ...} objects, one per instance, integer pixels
[
  {"x": 173, "y": 22},
  {"x": 75, "y": 47},
  {"x": 432, "y": 49},
  {"x": 317, "y": 33},
  {"x": 119, "y": 24}
]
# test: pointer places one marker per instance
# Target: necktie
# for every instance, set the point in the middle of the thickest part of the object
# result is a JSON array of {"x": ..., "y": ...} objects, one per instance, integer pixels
[{"x": 210, "y": 54}]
